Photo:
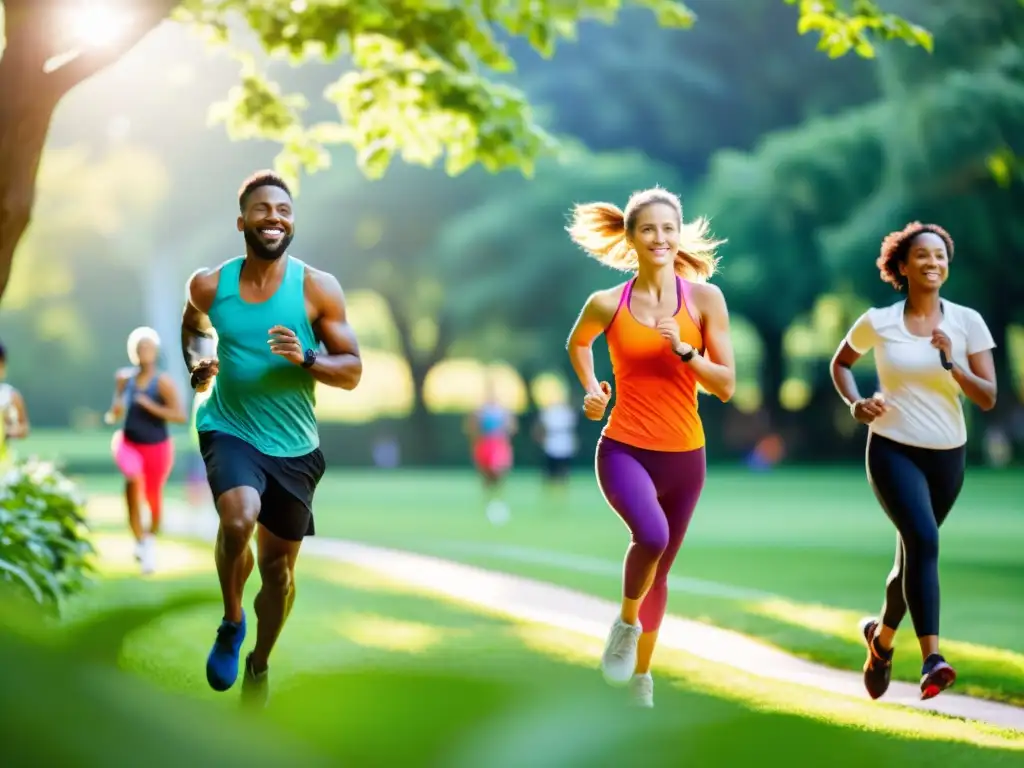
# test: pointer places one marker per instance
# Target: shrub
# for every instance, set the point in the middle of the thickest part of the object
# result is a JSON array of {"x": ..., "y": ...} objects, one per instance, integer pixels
[{"x": 43, "y": 535}]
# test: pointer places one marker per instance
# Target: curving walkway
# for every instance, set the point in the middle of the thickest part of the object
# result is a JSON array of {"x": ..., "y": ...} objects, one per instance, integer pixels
[{"x": 544, "y": 603}]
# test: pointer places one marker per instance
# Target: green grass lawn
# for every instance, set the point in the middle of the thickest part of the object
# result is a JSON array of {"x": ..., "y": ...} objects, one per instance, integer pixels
[
  {"x": 88, "y": 445},
  {"x": 372, "y": 672},
  {"x": 803, "y": 555}
]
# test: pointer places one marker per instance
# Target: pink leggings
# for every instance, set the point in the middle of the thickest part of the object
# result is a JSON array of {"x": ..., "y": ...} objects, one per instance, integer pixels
[{"x": 150, "y": 463}]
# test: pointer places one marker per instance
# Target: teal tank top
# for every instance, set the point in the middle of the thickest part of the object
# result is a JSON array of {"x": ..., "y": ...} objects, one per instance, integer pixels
[{"x": 257, "y": 396}]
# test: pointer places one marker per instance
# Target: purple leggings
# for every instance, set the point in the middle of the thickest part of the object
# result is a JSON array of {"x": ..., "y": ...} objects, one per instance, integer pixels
[{"x": 655, "y": 493}]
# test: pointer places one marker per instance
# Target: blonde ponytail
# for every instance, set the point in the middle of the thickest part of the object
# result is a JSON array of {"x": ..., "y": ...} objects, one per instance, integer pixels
[
  {"x": 697, "y": 259},
  {"x": 601, "y": 230}
]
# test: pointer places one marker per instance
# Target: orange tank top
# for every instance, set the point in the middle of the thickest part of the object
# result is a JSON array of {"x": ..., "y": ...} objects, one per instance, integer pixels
[{"x": 655, "y": 392}]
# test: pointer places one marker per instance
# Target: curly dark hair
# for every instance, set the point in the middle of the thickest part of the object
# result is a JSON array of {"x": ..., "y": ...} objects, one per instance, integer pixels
[
  {"x": 896, "y": 245},
  {"x": 257, "y": 180}
]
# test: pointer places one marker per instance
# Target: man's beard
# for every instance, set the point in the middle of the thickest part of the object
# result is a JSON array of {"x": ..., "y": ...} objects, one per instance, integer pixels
[{"x": 260, "y": 249}]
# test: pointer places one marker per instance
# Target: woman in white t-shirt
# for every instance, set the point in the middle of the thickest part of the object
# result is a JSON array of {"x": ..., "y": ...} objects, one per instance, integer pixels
[{"x": 928, "y": 352}]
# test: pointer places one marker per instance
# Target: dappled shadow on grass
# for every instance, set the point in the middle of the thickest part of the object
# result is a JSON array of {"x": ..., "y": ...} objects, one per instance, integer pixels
[
  {"x": 64, "y": 708},
  {"x": 521, "y": 716},
  {"x": 760, "y": 549},
  {"x": 368, "y": 673}
]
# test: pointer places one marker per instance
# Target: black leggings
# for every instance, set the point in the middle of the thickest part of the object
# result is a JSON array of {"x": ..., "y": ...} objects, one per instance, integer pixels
[{"x": 917, "y": 488}]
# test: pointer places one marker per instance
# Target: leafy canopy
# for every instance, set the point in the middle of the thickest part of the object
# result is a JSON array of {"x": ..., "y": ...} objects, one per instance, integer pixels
[{"x": 421, "y": 82}]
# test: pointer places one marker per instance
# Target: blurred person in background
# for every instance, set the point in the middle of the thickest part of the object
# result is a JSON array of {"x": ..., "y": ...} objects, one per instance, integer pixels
[
  {"x": 386, "y": 451},
  {"x": 143, "y": 448},
  {"x": 928, "y": 353},
  {"x": 490, "y": 429},
  {"x": 666, "y": 334},
  {"x": 12, "y": 407},
  {"x": 555, "y": 430}
]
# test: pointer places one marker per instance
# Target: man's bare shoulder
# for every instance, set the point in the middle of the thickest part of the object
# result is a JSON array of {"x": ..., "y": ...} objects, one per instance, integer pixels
[
  {"x": 319, "y": 284},
  {"x": 201, "y": 288}
]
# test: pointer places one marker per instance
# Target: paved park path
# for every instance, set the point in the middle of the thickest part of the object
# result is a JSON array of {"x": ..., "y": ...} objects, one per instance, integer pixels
[{"x": 555, "y": 606}]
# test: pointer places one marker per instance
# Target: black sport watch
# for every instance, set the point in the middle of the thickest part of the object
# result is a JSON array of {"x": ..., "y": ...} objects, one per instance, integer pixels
[
  {"x": 688, "y": 356},
  {"x": 309, "y": 359}
]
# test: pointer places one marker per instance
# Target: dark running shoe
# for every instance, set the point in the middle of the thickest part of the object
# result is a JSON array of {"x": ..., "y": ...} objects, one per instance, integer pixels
[
  {"x": 255, "y": 689},
  {"x": 936, "y": 676},
  {"x": 222, "y": 663},
  {"x": 878, "y": 667}
]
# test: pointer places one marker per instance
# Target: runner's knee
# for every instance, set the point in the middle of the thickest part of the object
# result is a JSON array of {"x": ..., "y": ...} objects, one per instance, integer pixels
[
  {"x": 277, "y": 575},
  {"x": 238, "y": 509}
]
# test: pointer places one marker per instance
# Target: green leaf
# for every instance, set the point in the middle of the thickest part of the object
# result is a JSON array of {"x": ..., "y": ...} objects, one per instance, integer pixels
[
  {"x": 12, "y": 570},
  {"x": 810, "y": 22},
  {"x": 864, "y": 48},
  {"x": 923, "y": 37},
  {"x": 50, "y": 581}
]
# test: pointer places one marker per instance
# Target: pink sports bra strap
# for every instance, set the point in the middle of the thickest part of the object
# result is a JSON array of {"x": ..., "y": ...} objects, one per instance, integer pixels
[
  {"x": 627, "y": 294},
  {"x": 623, "y": 302},
  {"x": 688, "y": 298}
]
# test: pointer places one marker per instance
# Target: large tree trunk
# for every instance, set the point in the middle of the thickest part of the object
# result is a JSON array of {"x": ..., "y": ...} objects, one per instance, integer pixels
[
  {"x": 427, "y": 444},
  {"x": 24, "y": 123},
  {"x": 29, "y": 94},
  {"x": 427, "y": 441},
  {"x": 773, "y": 373}
]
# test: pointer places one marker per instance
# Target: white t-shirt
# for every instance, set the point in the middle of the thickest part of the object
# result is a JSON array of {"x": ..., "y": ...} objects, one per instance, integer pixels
[
  {"x": 8, "y": 414},
  {"x": 559, "y": 422},
  {"x": 924, "y": 400},
  {"x": 6, "y": 397}
]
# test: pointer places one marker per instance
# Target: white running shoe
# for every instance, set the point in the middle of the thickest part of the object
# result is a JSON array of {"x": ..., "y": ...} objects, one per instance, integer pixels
[
  {"x": 641, "y": 690},
  {"x": 619, "y": 658},
  {"x": 147, "y": 554},
  {"x": 498, "y": 512}
]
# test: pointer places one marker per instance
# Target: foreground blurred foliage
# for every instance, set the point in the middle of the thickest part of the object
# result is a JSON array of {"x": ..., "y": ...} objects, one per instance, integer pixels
[
  {"x": 44, "y": 549},
  {"x": 64, "y": 707}
]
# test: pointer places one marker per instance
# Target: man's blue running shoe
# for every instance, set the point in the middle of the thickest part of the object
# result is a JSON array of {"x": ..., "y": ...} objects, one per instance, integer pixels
[{"x": 222, "y": 663}]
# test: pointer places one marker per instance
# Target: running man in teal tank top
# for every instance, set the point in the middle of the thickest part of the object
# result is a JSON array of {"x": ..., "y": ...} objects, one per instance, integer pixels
[{"x": 280, "y": 328}]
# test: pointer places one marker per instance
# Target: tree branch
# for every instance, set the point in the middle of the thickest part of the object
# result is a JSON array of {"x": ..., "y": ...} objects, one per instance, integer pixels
[{"x": 148, "y": 15}]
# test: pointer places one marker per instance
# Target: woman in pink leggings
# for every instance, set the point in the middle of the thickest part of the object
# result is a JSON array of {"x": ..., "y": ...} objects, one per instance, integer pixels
[{"x": 143, "y": 449}]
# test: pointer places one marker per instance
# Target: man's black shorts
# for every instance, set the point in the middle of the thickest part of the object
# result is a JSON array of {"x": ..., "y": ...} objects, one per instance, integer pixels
[{"x": 285, "y": 485}]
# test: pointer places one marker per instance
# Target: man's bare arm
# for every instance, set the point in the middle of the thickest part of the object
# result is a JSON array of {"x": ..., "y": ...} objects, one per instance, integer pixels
[
  {"x": 342, "y": 366},
  {"x": 196, "y": 329}
]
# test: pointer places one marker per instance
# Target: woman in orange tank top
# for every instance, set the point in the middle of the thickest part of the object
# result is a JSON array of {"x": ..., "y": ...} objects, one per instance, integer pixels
[{"x": 667, "y": 331}]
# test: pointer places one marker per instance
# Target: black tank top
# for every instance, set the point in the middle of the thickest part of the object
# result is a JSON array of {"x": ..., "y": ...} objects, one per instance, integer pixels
[{"x": 140, "y": 426}]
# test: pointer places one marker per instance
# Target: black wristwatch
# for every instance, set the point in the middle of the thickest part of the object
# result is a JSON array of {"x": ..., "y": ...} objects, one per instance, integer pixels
[
  {"x": 309, "y": 359},
  {"x": 688, "y": 356}
]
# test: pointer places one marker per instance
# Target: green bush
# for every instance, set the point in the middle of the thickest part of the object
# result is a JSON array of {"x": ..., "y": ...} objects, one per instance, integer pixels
[{"x": 43, "y": 535}]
